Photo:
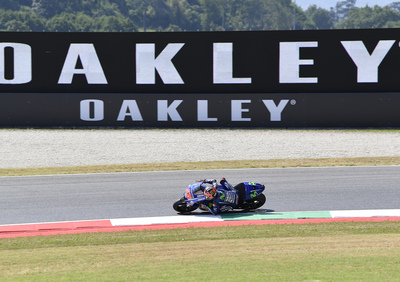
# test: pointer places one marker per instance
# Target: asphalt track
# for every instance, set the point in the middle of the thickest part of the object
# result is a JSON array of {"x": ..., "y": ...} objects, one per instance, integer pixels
[{"x": 36, "y": 199}]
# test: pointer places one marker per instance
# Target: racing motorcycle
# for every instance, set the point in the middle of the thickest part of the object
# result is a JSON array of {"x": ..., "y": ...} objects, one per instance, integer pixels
[{"x": 250, "y": 197}]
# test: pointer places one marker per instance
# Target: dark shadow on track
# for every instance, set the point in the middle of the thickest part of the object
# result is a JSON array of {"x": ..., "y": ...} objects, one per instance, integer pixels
[{"x": 258, "y": 211}]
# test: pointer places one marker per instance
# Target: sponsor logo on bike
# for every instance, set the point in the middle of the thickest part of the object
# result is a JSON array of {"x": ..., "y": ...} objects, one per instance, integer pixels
[{"x": 254, "y": 194}]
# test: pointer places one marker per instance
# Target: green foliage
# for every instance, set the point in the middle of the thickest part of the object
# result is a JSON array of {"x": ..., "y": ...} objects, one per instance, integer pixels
[
  {"x": 320, "y": 17},
  {"x": 303, "y": 21},
  {"x": 342, "y": 9},
  {"x": 367, "y": 17},
  {"x": 20, "y": 21},
  {"x": 188, "y": 15}
]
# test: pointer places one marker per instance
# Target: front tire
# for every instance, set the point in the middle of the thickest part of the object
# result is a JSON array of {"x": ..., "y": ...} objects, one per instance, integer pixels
[{"x": 181, "y": 206}]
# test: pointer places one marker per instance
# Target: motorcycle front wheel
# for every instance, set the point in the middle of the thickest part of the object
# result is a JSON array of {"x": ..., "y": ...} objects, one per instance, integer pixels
[{"x": 181, "y": 206}]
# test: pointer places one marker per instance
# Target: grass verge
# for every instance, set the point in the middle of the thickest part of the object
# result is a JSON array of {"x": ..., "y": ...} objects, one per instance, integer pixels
[
  {"x": 355, "y": 251},
  {"x": 375, "y": 161}
]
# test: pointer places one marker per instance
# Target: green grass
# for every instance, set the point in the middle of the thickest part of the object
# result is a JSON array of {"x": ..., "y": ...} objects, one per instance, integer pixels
[
  {"x": 374, "y": 161},
  {"x": 368, "y": 251}
]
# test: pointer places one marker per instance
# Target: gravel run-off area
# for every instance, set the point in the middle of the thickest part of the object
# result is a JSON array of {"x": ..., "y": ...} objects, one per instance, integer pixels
[{"x": 50, "y": 148}]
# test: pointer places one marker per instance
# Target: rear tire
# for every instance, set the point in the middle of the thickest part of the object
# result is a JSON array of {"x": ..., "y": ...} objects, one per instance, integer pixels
[
  {"x": 181, "y": 206},
  {"x": 256, "y": 202}
]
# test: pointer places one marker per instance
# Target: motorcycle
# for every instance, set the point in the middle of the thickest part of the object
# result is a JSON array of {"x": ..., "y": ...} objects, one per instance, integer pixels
[{"x": 251, "y": 197}]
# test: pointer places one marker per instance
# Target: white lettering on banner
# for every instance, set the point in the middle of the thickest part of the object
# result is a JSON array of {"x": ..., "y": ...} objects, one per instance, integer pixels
[
  {"x": 223, "y": 65},
  {"x": 147, "y": 64},
  {"x": 164, "y": 110},
  {"x": 22, "y": 63},
  {"x": 90, "y": 62},
  {"x": 367, "y": 65},
  {"x": 92, "y": 110},
  {"x": 129, "y": 108},
  {"x": 202, "y": 111},
  {"x": 290, "y": 62},
  {"x": 237, "y": 110},
  {"x": 275, "y": 111}
]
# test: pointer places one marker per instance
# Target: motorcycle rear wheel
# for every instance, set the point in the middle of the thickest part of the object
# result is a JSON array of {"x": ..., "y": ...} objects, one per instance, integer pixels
[
  {"x": 256, "y": 202},
  {"x": 181, "y": 206}
]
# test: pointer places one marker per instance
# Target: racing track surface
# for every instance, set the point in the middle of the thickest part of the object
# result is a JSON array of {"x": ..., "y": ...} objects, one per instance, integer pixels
[{"x": 37, "y": 199}]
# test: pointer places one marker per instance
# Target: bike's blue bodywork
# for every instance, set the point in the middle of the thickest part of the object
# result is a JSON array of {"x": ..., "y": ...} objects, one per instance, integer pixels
[{"x": 245, "y": 195}]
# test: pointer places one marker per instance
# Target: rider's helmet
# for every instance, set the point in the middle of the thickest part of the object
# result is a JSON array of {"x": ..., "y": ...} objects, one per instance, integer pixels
[{"x": 210, "y": 192}]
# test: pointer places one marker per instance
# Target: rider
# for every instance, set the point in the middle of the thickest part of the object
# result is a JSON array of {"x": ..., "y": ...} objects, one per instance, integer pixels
[{"x": 221, "y": 200}]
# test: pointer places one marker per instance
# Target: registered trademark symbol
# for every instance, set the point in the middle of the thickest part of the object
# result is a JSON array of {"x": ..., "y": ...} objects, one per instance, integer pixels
[{"x": 293, "y": 102}]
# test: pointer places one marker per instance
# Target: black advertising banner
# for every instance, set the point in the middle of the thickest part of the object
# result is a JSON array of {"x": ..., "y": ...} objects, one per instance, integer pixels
[
  {"x": 200, "y": 110},
  {"x": 328, "y": 78}
]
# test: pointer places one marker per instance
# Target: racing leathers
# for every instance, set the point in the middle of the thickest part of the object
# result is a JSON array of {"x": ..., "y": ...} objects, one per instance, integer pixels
[{"x": 227, "y": 197}]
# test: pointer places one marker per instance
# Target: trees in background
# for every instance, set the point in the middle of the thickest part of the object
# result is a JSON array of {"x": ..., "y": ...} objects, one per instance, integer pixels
[
  {"x": 188, "y": 15},
  {"x": 321, "y": 17},
  {"x": 371, "y": 17}
]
